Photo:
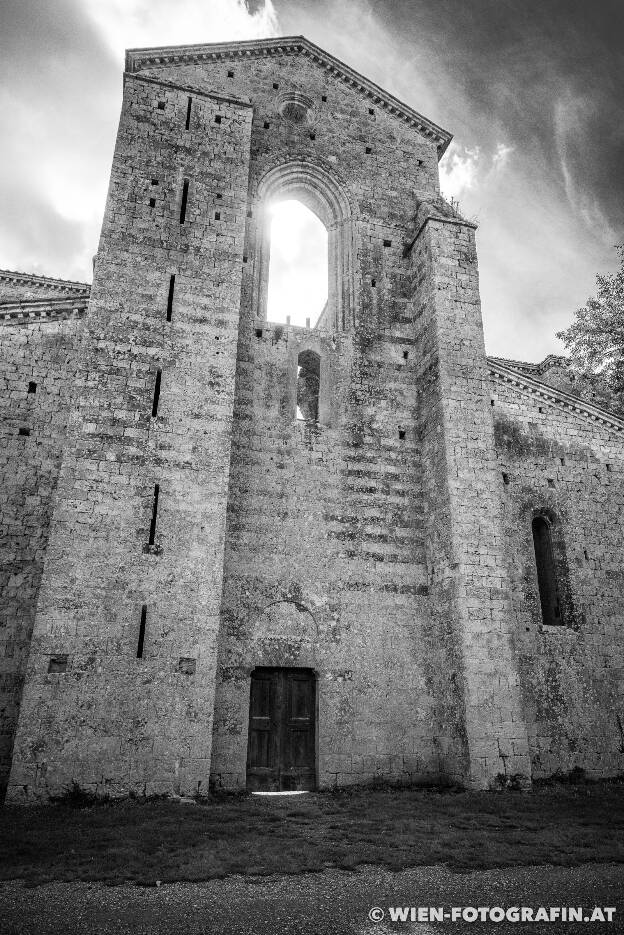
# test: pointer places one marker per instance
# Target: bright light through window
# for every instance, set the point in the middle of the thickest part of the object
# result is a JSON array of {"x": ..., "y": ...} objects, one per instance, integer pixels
[{"x": 298, "y": 267}]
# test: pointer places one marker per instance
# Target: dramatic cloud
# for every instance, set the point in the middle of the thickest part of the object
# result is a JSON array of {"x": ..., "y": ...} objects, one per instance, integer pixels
[{"x": 531, "y": 91}]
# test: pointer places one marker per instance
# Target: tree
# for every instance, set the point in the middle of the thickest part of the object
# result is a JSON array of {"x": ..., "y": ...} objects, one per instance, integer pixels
[{"x": 595, "y": 341}]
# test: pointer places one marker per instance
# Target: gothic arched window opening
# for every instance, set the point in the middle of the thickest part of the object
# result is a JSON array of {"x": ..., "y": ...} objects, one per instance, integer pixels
[
  {"x": 298, "y": 265},
  {"x": 308, "y": 386},
  {"x": 546, "y": 572}
]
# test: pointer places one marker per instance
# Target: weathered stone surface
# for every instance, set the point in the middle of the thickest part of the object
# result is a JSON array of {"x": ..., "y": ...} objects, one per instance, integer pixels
[{"x": 375, "y": 544}]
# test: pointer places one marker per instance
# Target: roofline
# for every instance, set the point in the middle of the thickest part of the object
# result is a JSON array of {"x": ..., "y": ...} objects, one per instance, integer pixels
[
  {"x": 14, "y": 276},
  {"x": 566, "y": 400},
  {"x": 180, "y": 54}
]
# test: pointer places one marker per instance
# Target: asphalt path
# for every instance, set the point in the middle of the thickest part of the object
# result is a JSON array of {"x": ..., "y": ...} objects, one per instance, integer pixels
[{"x": 329, "y": 903}]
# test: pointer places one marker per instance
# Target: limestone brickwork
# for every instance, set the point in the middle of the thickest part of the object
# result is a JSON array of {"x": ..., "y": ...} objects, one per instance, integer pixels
[{"x": 194, "y": 529}]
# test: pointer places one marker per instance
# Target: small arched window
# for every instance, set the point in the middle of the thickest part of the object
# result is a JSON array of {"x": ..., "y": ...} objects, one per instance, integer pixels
[
  {"x": 308, "y": 386},
  {"x": 546, "y": 572}
]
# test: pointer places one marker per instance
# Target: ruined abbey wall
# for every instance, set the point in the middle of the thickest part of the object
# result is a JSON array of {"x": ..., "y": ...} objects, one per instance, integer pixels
[
  {"x": 570, "y": 467},
  {"x": 37, "y": 371},
  {"x": 200, "y": 530}
]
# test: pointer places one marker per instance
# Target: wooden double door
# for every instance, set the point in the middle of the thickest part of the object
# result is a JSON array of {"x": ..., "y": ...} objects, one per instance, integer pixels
[{"x": 282, "y": 730}]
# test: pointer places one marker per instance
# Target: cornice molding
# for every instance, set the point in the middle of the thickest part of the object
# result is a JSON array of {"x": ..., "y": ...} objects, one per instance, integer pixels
[
  {"x": 29, "y": 311},
  {"x": 558, "y": 398},
  {"x": 137, "y": 59},
  {"x": 57, "y": 285}
]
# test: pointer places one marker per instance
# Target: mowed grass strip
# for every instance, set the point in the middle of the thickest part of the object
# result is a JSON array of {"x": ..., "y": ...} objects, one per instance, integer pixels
[{"x": 143, "y": 842}]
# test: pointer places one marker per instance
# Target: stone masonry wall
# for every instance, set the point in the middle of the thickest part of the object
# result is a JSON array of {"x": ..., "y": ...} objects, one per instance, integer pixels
[
  {"x": 464, "y": 533},
  {"x": 37, "y": 369},
  {"x": 103, "y": 716},
  {"x": 570, "y": 467},
  {"x": 324, "y": 558}
]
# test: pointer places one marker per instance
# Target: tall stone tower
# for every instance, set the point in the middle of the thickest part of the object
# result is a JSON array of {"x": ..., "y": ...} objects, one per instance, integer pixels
[{"x": 232, "y": 594}]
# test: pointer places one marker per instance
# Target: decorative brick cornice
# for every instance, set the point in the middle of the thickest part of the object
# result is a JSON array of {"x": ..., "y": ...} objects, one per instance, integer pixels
[
  {"x": 27, "y": 311},
  {"x": 54, "y": 285},
  {"x": 555, "y": 397},
  {"x": 136, "y": 59}
]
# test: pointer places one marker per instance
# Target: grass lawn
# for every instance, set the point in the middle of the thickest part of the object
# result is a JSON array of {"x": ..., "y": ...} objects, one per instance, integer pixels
[{"x": 162, "y": 840}]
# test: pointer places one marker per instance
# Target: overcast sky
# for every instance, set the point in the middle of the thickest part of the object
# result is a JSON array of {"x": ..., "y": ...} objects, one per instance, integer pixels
[{"x": 531, "y": 90}]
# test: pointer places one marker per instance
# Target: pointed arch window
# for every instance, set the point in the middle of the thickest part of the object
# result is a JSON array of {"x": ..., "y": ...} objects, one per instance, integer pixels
[
  {"x": 547, "y": 579},
  {"x": 319, "y": 192},
  {"x": 308, "y": 386}
]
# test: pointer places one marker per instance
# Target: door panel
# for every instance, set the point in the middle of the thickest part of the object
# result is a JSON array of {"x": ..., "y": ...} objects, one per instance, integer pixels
[{"x": 281, "y": 748}]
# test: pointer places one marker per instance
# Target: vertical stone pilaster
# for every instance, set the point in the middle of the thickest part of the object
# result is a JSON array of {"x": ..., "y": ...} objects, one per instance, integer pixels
[{"x": 468, "y": 579}]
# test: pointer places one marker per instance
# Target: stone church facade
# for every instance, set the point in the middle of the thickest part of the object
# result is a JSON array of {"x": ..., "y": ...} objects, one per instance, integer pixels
[{"x": 421, "y": 577}]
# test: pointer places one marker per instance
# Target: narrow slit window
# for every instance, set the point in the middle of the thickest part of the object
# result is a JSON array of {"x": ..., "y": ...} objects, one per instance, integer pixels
[
  {"x": 156, "y": 394},
  {"x": 189, "y": 110},
  {"x": 185, "y": 189},
  {"x": 152, "y": 532},
  {"x": 308, "y": 386},
  {"x": 141, "y": 639},
  {"x": 546, "y": 572},
  {"x": 170, "y": 297}
]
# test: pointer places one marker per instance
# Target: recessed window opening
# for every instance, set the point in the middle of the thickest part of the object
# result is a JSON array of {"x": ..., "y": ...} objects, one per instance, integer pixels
[
  {"x": 308, "y": 385},
  {"x": 298, "y": 267},
  {"x": 185, "y": 189},
  {"x": 546, "y": 572},
  {"x": 170, "y": 296},
  {"x": 32, "y": 387},
  {"x": 156, "y": 394},
  {"x": 141, "y": 639},
  {"x": 152, "y": 532}
]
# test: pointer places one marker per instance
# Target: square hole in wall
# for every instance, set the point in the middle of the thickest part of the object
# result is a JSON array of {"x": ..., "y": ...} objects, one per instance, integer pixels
[
  {"x": 405, "y": 355},
  {"x": 387, "y": 243},
  {"x": 218, "y": 118},
  {"x": 312, "y": 136},
  {"x": 275, "y": 85},
  {"x": 324, "y": 97},
  {"x": 505, "y": 478},
  {"x": 152, "y": 202},
  {"x": 608, "y": 467},
  {"x": 186, "y": 666},
  {"x": 371, "y": 111},
  {"x": 32, "y": 387},
  {"x": 373, "y": 283},
  {"x": 217, "y": 215},
  {"x": 58, "y": 663},
  {"x": 154, "y": 181},
  {"x": 551, "y": 482},
  {"x": 401, "y": 434},
  {"x": 258, "y": 332},
  {"x": 219, "y": 196},
  {"x": 161, "y": 105},
  {"x": 230, "y": 74},
  {"x": 368, "y": 150},
  {"x": 24, "y": 431},
  {"x": 244, "y": 259},
  {"x": 266, "y": 125},
  {"x": 491, "y": 402}
]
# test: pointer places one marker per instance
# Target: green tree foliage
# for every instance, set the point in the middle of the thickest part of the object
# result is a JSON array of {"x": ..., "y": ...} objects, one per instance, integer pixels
[{"x": 595, "y": 341}]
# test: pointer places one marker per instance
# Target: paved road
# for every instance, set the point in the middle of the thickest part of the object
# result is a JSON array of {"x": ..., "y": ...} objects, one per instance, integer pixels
[{"x": 328, "y": 903}]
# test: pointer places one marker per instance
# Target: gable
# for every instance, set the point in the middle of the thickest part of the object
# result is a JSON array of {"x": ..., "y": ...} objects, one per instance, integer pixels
[
  {"x": 536, "y": 392},
  {"x": 287, "y": 56}
]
